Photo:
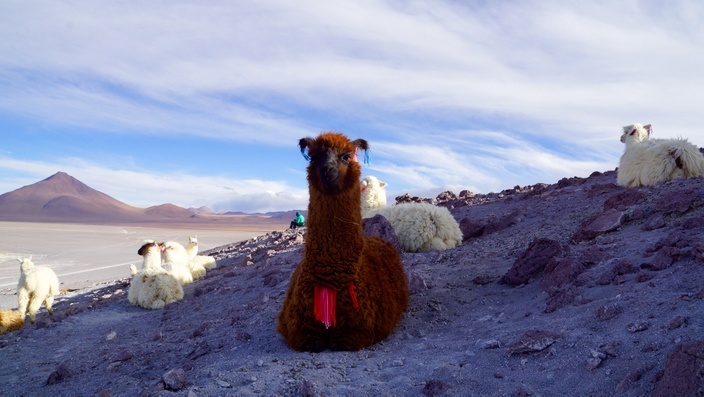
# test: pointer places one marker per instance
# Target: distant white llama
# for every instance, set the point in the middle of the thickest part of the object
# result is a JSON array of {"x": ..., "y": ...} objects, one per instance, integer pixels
[
  {"x": 373, "y": 193},
  {"x": 176, "y": 261},
  {"x": 37, "y": 285},
  {"x": 419, "y": 226},
  {"x": 153, "y": 287},
  {"x": 192, "y": 247},
  {"x": 207, "y": 261},
  {"x": 646, "y": 161}
]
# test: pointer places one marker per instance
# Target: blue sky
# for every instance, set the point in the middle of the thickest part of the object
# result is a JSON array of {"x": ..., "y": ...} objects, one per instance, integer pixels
[{"x": 202, "y": 103}]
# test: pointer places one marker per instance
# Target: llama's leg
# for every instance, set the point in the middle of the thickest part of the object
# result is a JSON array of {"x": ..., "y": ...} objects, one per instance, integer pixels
[
  {"x": 49, "y": 302},
  {"x": 34, "y": 304},
  {"x": 22, "y": 301}
]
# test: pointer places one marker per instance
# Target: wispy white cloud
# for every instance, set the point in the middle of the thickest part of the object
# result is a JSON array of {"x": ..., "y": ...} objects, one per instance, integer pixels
[{"x": 485, "y": 95}]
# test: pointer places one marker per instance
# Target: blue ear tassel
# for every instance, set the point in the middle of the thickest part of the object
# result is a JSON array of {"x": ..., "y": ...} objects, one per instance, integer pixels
[
  {"x": 305, "y": 156},
  {"x": 367, "y": 157}
]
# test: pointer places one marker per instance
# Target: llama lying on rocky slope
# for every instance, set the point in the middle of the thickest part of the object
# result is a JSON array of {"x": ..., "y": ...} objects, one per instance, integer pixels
[
  {"x": 207, "y": 261},
  {"x": 37, "y": 285},
  {"x": 349, "y": 291},
  {"x": 153, "y": 287},
  {"x": 648, "y": 161},
  {"x": 419, "y": 226}
]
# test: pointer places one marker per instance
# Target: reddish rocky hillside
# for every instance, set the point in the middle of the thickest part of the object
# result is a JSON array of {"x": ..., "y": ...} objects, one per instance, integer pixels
[{"x": 579, "y": 288}]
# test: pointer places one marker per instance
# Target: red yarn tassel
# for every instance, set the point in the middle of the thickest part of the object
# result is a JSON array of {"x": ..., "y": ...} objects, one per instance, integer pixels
[
  {"x": 324, "y": 301},
  {"x": 355, "y": 303}
]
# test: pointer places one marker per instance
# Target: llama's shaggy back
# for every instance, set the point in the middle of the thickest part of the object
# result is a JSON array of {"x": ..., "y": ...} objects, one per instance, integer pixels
[
  {"x": 419, "y": 226},
  {"x": 349, "y": 291}
]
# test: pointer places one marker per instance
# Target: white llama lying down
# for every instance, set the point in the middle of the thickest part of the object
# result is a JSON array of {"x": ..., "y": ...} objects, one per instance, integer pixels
[
  {"x": 37, "y": 285},
  {"x": 646, "y": 161},
  {"x": 176, "y": 261},
  {"x": 419, "y": 226},
  {"x": 153, "y": 287},
  {"x": 206, "y": 261}
]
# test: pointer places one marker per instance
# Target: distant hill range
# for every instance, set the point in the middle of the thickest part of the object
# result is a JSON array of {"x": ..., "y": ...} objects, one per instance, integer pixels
[{"x": 63, "y": 198}]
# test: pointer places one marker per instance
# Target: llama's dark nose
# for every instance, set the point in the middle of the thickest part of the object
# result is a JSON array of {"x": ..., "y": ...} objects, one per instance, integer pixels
[{"x": 329, "y": 171}]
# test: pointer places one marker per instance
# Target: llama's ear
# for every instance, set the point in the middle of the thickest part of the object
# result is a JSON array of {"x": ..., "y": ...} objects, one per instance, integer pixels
[
  {"x": 649, "y": 128},
  {"x": 362, "y": 144},
  {"x": 382, "y": 184},
  {"x": 303, "y": 144}
]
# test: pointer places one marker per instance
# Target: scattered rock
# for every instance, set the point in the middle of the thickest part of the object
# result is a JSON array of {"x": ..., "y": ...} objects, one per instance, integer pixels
[
  {"x": 561, "y": 298},
  {"x": 626, "y": 198},
  {"x": 631, "y": 378},
  {"x": 380, "y": 226},
  {"x": 434, "y": 388},
  {"x": 416, "y": 283},
  {"x": 602, "y": 223},
  {"x": 677, "y": 322},
  {"x": 61, "y": 373},
  {"x": 484, "y": 279},
  {"x": 175, "y": 379},
  {"x": 531, "y": 262},
  {"x": 683, "y": 374},
  {"x": 637, "y": 326},
  {"x": 560, "y": 272},
  {"x": 595, "y": 359},
  {"x": 607, "y": 312},
  {"x": 533, "y": 341}
]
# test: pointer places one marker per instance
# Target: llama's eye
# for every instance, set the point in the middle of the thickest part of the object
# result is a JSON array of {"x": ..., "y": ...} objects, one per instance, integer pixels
[{"x": 346, "y": 157}]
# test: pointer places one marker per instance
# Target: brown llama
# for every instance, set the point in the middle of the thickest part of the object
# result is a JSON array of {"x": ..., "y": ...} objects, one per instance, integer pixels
[{"x": 349, "y": 291}]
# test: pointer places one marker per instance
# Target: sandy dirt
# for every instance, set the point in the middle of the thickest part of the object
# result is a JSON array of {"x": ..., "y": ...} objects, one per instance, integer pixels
[{"x": 580, "y": 288}]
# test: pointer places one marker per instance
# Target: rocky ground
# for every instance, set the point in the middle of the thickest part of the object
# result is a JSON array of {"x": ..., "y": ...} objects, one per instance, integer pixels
[{"x": 577, "y": 288}]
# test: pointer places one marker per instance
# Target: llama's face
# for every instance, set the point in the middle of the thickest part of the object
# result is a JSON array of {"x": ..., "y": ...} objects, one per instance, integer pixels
[
  {"x": 373, "y": 193},
  {"x": 150, "y": 247},
  {"x": 193, "y": 240},
  {"x": 26, "y": 264},
  {"x": 333, "y": 161},
  {"x": 636, "y": 133}
]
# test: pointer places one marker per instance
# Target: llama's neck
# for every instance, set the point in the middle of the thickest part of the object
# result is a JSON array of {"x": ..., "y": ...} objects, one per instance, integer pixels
[
  {"x": 334, "y": 239},
  {"x": 152, "y": 260},
  {"x": 192, "y": 249}
]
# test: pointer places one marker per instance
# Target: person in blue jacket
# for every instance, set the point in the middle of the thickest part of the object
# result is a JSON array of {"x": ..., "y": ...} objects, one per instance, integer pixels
[{"x": 298, "y": 222}]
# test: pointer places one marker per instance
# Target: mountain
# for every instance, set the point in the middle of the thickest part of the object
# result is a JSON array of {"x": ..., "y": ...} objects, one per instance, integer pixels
[
  {"x": 62, "y": 197},
  {"x": 169, "y": 211},
  {"x": 202, "y": 210}
]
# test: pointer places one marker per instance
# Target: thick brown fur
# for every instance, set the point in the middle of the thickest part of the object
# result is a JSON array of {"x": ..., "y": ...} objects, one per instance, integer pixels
[
  {"x": 10, "y": 320},
  {"x": 337, "y": 254}
]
